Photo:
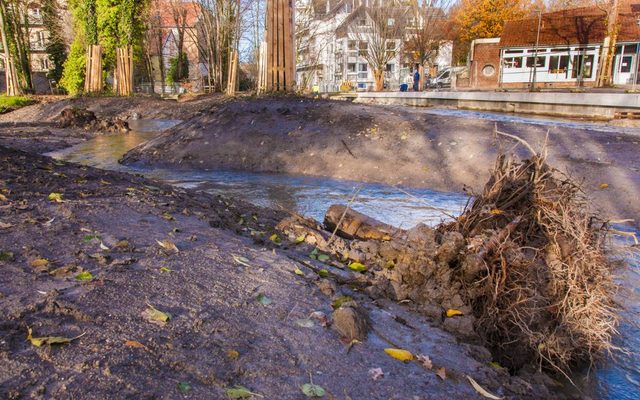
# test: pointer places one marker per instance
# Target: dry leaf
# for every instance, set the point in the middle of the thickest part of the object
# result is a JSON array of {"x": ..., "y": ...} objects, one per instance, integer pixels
[
  {"x": 3, "y": 197},
  {"x": 604, "y": 185},
  {"x": 358, "y": 267},
  {"x": 39, "y": 341},
  {"x": 481, "y": 390},
  {"x": 399, "y": 354},
  {"x": 39, "y": 263},
  {"x": 442, "y": 373},
  {"x": 5, "y": 226},
  {"x": 376, "y": 373},
  {"x": 55, "y": 197},
  {"x": 425, "y": 361},
  {"x": 233, "y": 354},
  {"x": 155, "y": 316},
  {"x": 135, "y": 344},
  {"x": 168, "y": 245},
  {"x": 452, "y": 312},
  {"x": 242, "y": 261}
]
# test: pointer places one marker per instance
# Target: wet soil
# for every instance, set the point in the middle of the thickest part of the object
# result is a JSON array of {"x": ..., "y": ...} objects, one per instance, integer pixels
[{"x": 239, "y": 310}]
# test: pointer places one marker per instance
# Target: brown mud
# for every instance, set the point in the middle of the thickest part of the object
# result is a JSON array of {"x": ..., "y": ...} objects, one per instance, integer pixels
[{"x": 241, "y": 305}]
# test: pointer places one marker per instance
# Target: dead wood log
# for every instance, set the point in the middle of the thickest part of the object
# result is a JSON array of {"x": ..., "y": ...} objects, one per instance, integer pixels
[{"x": 355, "y": 225}]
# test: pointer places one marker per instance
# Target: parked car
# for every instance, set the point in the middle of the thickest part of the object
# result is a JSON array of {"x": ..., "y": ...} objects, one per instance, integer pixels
[{"x": 443, "y": 79}]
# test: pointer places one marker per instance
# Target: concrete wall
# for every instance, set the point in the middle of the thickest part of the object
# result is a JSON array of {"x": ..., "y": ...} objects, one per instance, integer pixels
[{"x": 590, "y": 105}]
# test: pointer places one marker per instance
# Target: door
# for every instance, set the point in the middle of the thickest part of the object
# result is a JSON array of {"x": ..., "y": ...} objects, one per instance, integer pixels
[{"x": 624, "y": 67}]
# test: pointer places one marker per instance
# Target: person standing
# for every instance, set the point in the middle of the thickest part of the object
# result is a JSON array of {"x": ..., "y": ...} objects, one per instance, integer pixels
[{"x": 416, "y": 79}]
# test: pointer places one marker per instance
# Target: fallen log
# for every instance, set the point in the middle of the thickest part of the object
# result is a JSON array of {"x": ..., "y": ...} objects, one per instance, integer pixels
[{"x": 354, "y": 225}]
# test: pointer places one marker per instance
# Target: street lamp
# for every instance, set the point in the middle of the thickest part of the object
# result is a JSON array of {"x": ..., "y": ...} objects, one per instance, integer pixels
[{"x": 535, "y": 52}]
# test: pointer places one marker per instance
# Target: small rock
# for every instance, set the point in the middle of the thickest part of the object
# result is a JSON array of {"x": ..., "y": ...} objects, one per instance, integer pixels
[{"x": 327, "y": 287}]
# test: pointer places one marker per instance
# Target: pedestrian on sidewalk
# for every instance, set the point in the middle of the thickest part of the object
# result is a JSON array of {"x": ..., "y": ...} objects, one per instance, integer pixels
[{"x": 416, "y": 79}]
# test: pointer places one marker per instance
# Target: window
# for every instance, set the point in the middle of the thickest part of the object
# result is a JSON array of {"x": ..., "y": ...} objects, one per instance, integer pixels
[
  {"x": 362, "y": 21},
  {"x": 625, "y": 64},
  {"x": 363, "y": 48},
  {"x": 513, "y": 62},
  {"x": 351, "y": 67},
  {"x": 513, "y": 51},
  {"x": 363, "y": 67},
  {"x": 582, "y": 66},
  {"x": 558, "y": 64},
  {"x": 390, "y": 67},
  {"x": 391, "y": 46},
  {"x": 44, "y": 63},
  {"x": 391, "y": 22},
  {"x": 488, "y": 70},
  {"x": 539, "y": 62},
  {"x": 351, "y": 45}
]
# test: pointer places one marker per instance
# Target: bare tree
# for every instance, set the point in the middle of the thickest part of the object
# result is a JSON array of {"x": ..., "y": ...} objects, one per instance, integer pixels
[
  {"x": 382, "y": 29},
  {"x": 312, "y": 41},
  {"x": 426, "y": 29}
]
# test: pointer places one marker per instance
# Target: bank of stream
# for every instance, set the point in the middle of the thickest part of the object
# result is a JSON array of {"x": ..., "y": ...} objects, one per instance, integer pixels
[{"x": 618, "y": 378}]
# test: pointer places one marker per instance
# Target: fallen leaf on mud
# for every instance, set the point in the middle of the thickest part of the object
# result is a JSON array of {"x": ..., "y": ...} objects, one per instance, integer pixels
[
  {"x": 311, "y": 390},
  {"x": 314, "y": 254},
  {"x": 376, "y": 373},
  {"x": 305, "y": 323},
  {"x": 5, "y": 225},
  {"x": 442, "y": 373},
  {"x": 89, "y": 238},
  {"x": 134, "y": 344},
  {"x": 301, "y": 238},
  {"x": 6, "y": 256},
  {"x": 55, "y": 197},
  {"x": 323, "y": 257},
  {"x": 3, "y": 197},
  {"x": 339, "y": 301},
  {"x": 242, "y": 261},
  {"x": 604, "y": 185},
  {"x": 168, "y": 216},
  {"x": 103, "y": 247},
  {"x": 264, "y": 300},
  {"x": 168, "y": 245},
  {"x": 122, "y": 244},
  {"x": 103, "y": 182},
  {"x": 425, "y": 361},
  {"x": 298, "y": 272},
  {"x": 84, "y": 276},
  {"x": 481, "y": 390},
  {"x": 39, "y": 263},
  {"x": 155, "y": 316},
  {"x": 184, "y": 387},
  {"x": 39, "y": 341},
  {"x": 165, "y": 269},
  {"x": 452, "y": 312},
  {"x": 275, "y": 238},
  {"x": 358, "y": 267},
  {"x": 232, "y": 354},
  {"x": 399, "y": 354},
  {"x": 323, "y": 273},
  {"x": 321, "y": 317},
  {"x": 240, "y": 392},
  {"x": 496, "y": 365}
]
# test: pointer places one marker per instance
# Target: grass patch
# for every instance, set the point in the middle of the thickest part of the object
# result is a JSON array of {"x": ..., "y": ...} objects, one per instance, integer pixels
[{"x": 14, "y": 102}]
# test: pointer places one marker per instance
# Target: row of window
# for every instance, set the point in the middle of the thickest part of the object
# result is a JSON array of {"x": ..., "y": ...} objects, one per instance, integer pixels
[
  {"x": 364, "y": 67},
  {"x": 560, "y": 64}
]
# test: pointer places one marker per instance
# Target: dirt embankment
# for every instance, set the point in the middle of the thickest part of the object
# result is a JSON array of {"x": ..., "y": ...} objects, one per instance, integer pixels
[
  {"x": 85, "y": 253},
  {"x": 389, "y": 145}
]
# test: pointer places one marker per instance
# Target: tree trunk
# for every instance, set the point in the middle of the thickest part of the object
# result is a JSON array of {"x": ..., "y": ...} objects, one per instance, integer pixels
[
  {"x": 11, "y": 76},
  {"x": 608, "y": 47},
  {"x": 378, "y": 76}
]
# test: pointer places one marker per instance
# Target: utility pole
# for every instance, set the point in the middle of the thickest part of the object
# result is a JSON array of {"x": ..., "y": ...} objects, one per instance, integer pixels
[
  {"x": 609, "y": 46},
  {"x": 535, "y": 53}
]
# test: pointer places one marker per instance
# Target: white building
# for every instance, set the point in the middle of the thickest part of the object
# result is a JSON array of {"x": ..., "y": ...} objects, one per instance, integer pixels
[{"x": 332, "y": 40}]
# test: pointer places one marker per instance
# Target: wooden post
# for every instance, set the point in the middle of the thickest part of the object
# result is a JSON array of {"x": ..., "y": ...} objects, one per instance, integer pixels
[
  {"x": 232, "y": 76},
  {"x": 262, "y": 68},
  {"x": 93, "y": 72},
  {"x": 123, "y": 78},
  {"x": 280, "y": 46}
]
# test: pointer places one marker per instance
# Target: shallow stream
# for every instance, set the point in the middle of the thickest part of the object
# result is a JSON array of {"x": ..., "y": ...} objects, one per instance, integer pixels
[{"x": 618, "y": 378}]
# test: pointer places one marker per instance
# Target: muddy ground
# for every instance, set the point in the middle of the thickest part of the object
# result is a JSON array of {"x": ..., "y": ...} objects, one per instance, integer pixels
[{"x": 239, "y": 311}]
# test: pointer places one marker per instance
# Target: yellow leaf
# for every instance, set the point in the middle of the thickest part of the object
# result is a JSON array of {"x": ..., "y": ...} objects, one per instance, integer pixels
[
  {"x": 39, "y": 263},
  {"x": 399, "y": 354},
  {"x": 604, "y": 185},
  {"x": 155, "y": 316},
  {"x": 3, "y": 197},
  {"x": 442, "y": 373},
  {"x": 358, "y": 267},
  {"x": 39, "y": 341},
  {"x": 55, "y": 197},
  {"x": 298, "y": 272},
  {"x": 301, "y": 238},
  {"x": 496, "y": 211},
  {"x": 481, "y": 390},
  {"x": 452, "y": 312},
  {"x": 233, "y": 354},
  {"x": 275, "y": 238},
  {"x": 168, "y": 245}
]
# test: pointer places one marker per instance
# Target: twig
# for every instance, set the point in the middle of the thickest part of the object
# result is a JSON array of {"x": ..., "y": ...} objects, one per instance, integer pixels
[
  {"x": 519, "y": 139},
  {"x": 348, "y": 149}
]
